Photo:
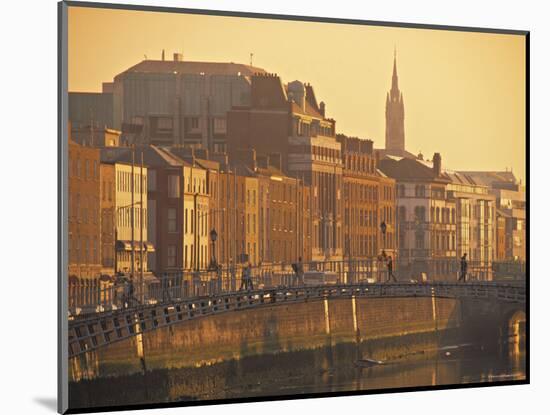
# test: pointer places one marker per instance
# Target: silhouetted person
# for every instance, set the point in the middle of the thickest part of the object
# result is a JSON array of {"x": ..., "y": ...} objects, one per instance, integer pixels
[
  {"x": 463, "y": 268},
  {"x": 165, "y": 287},
  {"x": 298, "y": 268},
  {"x": 390, "y": 269},
  {"x": 246, "y": 279},
  {"x": 129, "y": 298}
]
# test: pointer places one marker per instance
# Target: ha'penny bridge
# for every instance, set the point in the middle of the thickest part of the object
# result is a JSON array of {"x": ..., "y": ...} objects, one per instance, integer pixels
[{"x": 174, "y": 305}]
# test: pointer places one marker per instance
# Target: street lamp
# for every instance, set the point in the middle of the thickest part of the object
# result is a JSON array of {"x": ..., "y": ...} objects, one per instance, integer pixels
[
  {"x": 213, "y": 235},
  {"x": 213, "y": 238}
]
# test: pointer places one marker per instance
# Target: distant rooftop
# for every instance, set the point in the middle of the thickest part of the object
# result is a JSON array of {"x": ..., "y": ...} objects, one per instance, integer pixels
[
  {"x": 492, "y": 178},
  {"x": 187, "y": 67}
]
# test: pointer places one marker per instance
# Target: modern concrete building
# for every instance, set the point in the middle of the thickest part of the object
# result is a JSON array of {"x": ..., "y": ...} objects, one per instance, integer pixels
[
  {"x": 179, "y": 102},
  {"x": 91, "y": 109}
]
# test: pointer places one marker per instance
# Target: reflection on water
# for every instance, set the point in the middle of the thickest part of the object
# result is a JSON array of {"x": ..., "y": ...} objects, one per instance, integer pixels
[{"x": 330, "y": 369}]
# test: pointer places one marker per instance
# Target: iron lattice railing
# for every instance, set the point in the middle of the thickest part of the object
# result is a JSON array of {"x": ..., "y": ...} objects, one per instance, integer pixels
[
  {"x": 90, "y": 332},
  {"x": 126, "y": 292}
]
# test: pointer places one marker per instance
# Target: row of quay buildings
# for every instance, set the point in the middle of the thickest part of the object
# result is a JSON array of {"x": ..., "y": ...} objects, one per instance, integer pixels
[{"x": 172, "y": 150}]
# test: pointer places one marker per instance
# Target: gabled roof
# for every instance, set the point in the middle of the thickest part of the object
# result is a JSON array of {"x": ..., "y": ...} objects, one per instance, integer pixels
[
  {"x": 153, "y": 156},
  {"x": 490, "y": 178},
  {"x": 308, "y": 110},
  {"x": 383, "y": 152},
  {"x": 461, "y": 178},
  {"x": 183, "y": 153},
  {"x": 244, "y": 170},
  {"x": 409, "y": 169},
  {"x": 187, "y": 67}
]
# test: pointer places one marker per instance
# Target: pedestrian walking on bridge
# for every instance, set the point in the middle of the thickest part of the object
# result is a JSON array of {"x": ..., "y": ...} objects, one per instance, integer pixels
[
  {"x": 463, "y": 268},
  {"x": 298, "y": 268},
  {"x": 165, "y": 288},
  {"x": 390, "y": 270},
  {"x": 246, "y": 279}
]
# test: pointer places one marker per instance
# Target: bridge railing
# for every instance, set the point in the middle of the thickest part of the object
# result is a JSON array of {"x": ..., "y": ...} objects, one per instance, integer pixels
[
  {"x": 92, "y": 331},
  {"x": 124, "y": 292}
]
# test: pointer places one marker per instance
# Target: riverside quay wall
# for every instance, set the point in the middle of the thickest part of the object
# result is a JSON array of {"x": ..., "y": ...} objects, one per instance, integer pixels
[{"x": 273, "y": 329}]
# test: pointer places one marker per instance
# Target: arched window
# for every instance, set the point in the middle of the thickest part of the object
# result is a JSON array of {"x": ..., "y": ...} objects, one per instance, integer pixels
[
  {"x": 402, "y": 213},
  {"x": 420, "y": 213},
  {"x": 419, "y": 240}
]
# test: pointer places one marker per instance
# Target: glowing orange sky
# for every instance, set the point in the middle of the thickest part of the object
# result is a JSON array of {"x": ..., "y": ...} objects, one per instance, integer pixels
[{"x": 464, "y": 92}]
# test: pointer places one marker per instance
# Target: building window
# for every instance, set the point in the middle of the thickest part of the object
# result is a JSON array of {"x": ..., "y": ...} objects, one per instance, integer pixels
[
  {"x": 172, "y": 222},
  {"x": 86, "y": 250},
  {"x": 420, "y": 213},
  {"x": 95, "y": 251},
  {"x": 173, "y": 186},
  {"x": 402, "y": 213},
  {"x": 186, "y": 220},
  {"x": 419, "y": 240},
  {"x": 219, "y": 126},
  {"x": 152, "y": 179},
  {"x": 171, "y": 256},
  {"x": 185, "y": 258}
]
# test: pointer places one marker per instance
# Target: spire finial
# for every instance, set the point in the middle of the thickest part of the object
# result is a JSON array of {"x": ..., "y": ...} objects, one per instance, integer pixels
[{"x": 394, "y": 76}]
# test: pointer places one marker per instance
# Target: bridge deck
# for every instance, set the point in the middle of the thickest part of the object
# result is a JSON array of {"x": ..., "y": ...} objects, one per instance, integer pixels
[{"x": 97, "y": 330}]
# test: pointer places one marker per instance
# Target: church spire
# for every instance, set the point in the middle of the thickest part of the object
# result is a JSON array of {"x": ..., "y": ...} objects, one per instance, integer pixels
[
  {"x": 395, "y": 113},
  {"x": 394, "y": 79}
]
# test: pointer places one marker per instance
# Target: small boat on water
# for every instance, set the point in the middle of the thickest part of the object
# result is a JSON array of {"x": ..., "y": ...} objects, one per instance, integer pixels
[{"x": 368, "y": 362}]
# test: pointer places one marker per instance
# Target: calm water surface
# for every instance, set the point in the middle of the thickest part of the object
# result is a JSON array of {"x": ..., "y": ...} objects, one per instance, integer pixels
[{"x": 330, "y": 369}]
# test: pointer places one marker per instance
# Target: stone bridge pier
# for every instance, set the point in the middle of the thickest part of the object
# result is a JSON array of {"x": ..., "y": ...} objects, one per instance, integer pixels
[{"x": 486, "y": 320}]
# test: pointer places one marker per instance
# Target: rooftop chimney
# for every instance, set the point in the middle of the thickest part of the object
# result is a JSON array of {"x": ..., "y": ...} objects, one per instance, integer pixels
[
  {"x": 322, "y": 108},
  {"x": 437, "y": 164}
]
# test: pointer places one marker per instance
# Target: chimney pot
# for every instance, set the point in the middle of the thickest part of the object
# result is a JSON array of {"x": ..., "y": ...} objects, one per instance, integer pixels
[{"x": 437, "y": 164}]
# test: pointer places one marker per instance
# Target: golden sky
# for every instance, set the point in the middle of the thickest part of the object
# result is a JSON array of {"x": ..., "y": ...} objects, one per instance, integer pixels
[{"x": 464, "y": 93}]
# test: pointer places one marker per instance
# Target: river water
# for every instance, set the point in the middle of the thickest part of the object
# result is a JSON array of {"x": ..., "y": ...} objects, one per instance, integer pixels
[{"x": 335, "y": 368}]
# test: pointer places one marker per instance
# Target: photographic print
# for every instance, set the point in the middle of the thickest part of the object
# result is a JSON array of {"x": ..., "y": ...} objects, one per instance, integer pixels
[{"x": 258, "y": 207}]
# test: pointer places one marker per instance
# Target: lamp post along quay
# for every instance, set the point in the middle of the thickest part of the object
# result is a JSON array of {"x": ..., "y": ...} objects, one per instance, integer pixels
[{"x": 213, "y": 262}]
